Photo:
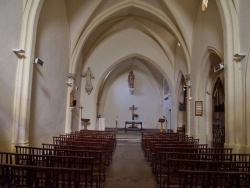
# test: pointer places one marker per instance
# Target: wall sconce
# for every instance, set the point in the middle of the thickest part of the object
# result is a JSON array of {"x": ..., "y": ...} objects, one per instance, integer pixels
[
  {"x": 204, "y": 5},
  {"x": 239, "y": 56},
  {"x": 71, "y": 85},
  {"x": 218, "y": 67},
  {"x": 186, "y": 86},
  {"x": 39, "y": 62},
  {"x": 72, "y": 76},
  {"x": 19, "y": 52}
]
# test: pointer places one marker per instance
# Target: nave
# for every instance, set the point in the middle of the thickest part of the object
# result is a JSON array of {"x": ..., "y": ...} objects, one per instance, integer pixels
[
  {"x": 110, "y": 159},
  {"x": 129, "y": 168}
]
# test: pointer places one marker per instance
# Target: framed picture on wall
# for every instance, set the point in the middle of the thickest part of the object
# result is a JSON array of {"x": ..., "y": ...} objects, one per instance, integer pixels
[{"x": 198, "y": 108}]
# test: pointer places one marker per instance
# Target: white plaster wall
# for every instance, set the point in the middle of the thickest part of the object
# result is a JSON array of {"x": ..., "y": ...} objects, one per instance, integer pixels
[
  {"x": 186, "y": 17},
  {"x": 49, "y": 89},
  {"x": 110, "y": 52},
  {"x": 145, "y": 97},
  {"x": 10, "y": 24},
  {"x": 79, "y": 13}
]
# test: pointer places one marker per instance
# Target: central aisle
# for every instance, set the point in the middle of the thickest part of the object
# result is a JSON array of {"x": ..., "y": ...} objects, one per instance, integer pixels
[{"x": 129, "y": 168}]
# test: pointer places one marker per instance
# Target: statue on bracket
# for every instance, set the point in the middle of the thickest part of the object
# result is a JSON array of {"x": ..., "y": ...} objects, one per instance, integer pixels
[
  {"x": 131, "y": 79},
  {"x": 89, "y": 75}
]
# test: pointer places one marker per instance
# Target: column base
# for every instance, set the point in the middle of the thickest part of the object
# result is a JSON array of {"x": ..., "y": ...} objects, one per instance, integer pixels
[{"x": 13, "y": 148}]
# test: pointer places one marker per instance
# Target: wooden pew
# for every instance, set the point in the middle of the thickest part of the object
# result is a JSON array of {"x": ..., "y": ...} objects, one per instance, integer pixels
[
  {"x": 170, "y": 171},
  {"x": 99, "y": 164},
  {"x": 198, "y": 178},
  {"x": 53, "y": 161},
  {"x": 150, "y": 145},
  {"x": 82, "y": 137},
  {"x": 74, "y": 144},
  {"x": 163, "y": 153},
  {"x": 168, "y": 136},
  {"x": 106, "y": 158},
  {"x": 152, "y": 153},
  {"x": 34, "y": 176}
]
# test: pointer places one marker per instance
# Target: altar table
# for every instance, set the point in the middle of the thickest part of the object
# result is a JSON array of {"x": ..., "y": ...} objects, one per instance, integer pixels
[{"x": 132, "y": 122}]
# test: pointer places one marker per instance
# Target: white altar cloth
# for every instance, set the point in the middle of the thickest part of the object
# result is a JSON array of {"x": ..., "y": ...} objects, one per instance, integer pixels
[{"x": 100, "y": 124}]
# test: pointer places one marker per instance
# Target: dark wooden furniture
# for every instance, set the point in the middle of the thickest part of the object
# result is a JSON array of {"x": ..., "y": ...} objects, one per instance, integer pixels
[{"x": 132, "y": 123}]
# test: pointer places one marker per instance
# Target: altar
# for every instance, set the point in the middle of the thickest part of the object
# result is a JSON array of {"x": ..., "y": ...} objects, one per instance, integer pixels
[{"x": 133, "y": 124}]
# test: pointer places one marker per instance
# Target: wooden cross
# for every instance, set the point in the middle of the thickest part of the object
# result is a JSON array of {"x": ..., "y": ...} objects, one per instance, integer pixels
[{"x": 133, "y": 108}]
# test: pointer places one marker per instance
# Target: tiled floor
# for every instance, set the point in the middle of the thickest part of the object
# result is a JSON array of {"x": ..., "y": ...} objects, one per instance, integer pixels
[{"x": 129, "y": 168}]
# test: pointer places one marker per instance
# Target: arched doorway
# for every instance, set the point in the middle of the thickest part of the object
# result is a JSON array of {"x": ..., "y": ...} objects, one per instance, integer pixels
[
  {"x": 182, "y": 113},
  {"x": 218, "y": 97}
]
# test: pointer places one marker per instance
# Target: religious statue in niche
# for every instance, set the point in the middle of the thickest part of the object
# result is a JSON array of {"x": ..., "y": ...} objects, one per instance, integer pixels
[
  {"x": 89, "y": 75},
  {"x": 131, "y": 79}
]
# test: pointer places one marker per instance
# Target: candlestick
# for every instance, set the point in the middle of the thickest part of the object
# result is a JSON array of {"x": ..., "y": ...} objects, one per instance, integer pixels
[
  {"x": 116, "y": 122},
  {"x": 81, "y": 107}
]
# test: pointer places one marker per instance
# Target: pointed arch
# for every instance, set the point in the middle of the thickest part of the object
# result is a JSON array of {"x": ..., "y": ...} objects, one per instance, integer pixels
[{"x": 101, "y": 18}]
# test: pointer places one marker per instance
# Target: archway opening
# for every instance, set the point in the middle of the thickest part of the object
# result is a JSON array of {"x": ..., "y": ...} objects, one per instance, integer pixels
[{"x": 219, "y": 112}]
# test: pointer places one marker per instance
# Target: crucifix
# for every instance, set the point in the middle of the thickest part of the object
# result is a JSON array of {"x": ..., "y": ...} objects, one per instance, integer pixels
[{"x": 133, "y": 108}]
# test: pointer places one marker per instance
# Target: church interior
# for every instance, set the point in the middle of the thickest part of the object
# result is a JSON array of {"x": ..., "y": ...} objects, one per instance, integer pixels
[{"x": 125, "y": 66}]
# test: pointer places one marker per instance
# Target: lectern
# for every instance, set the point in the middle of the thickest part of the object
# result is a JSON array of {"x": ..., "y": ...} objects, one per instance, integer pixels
[{"x": 161, "y": 120}]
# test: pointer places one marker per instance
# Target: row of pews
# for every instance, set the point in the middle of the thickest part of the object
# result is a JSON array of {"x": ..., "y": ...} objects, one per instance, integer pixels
[
  {"x": 178, "y": 160},
  {"x": 78, "y": 160}
]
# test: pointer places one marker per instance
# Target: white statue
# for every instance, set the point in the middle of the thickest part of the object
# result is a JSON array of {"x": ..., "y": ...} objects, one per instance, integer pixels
[{"x": 89, "y": 75}]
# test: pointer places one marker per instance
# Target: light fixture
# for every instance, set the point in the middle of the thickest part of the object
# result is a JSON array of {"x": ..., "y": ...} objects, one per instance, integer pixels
[
  {"x": 72, "y": 76},
  {"x": 39, "y": 62},
  {"x": 239, "y": 56},
  {"x": 204, "y": 5},
  {"x": 75, "y": 87},
  {"x": 69, "y": 84},
  {"x": 19, "y": 52},
  {"x": 167, "y": 96},
  {"x": 187, "y": 86},
  {"x": 218, "y": 67}
]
